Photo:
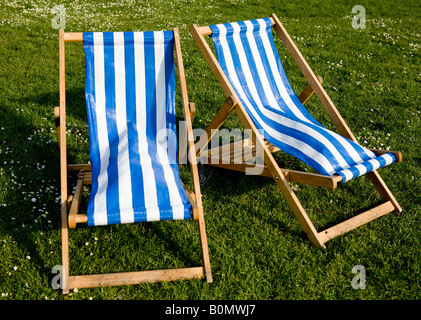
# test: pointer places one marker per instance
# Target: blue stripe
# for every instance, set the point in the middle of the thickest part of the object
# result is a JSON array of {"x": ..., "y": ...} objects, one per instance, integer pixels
[
  {"x": 138, "y": 198},
  {"x": 170, "y": 93},
  {"x": 113, "y": 205},
  {"x": 90, "y": 107}
]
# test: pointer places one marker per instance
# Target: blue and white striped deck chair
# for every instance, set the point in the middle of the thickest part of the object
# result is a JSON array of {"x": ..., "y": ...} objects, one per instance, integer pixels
[
  {"x": 134, "y": 172},
  {"x": 251, "y": 74}
]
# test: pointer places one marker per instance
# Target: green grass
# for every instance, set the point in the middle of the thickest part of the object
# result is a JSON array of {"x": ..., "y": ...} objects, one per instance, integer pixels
[{"x": 257, "y": 248}]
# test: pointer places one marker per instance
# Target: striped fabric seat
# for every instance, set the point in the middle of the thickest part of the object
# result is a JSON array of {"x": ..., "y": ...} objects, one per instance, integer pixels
[
  {"x": 248, "y": 57},
  {"x": 130, "y": 97}
]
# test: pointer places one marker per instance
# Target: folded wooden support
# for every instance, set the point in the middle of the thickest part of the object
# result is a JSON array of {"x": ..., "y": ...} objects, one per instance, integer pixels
[
  {"x": 70, "y": 204},
  {"x": 229, "y": 157}
]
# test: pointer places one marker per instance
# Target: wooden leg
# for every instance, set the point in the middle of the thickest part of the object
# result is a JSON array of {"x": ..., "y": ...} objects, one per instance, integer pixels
[
  {"x": 288, "y": 193},
  {"x": 65, "y": 249},
  {"x": 201, "y": 218},
  {"x": 299, "y": 211},
  {"x": 383, "y": 190},
  {"x": 205, "y": 250}
]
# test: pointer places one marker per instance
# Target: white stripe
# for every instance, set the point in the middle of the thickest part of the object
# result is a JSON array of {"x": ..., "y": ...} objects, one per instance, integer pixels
[
  {"x": 303, "y": 147},
  {"x": 161, "y": 99},
  {"x": 348, "y": 175},
  {"x": 388, "y": 158},
  {"x": 124, "y": 178},
  {"x": 100, "y": 202},
  {"x": 362, "y": 169},
  {"x": 149, "y": 184}
]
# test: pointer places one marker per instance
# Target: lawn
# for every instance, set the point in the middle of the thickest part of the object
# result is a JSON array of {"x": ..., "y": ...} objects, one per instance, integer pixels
[{"x": 257, "y": 248}]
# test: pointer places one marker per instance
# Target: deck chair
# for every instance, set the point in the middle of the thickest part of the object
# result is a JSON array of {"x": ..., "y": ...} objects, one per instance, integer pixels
[
  {"x": 249, "y": 70},
  {"x": 134, "y": 172}
]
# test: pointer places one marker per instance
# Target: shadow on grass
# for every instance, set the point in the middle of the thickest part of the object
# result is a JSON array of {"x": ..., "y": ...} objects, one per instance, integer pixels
[{"x": 324, "y": 207}]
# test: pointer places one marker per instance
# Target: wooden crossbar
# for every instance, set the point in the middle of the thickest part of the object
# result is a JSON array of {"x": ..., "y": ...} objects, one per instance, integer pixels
[
  {"x": 73, "y": 37},
  {"x": 134, "y": 277},
  {"x": 234, "y": 156},
  {"x": 356, "y": 221}
]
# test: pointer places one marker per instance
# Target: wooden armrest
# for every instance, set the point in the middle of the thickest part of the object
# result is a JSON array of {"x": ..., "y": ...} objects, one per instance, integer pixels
[{"x": 397, "y": 154}]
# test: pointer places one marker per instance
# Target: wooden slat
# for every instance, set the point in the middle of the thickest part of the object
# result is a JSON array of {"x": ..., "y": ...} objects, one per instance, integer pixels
[
  {"x": 227, "y": 149},
  {"x": 314, "y": 179},
  {"x": 192, "y": 107},
  {"x": 236, "y": 152},
  {"x": 135, "y": 277},
  {"x": 81, "y": 218},
  {"x": 329, "y": 182},
  {"x": 356, "y": 221},
  {"x": 242, "y": 167},
  {"x": 73, "y": 37},
  {"x": 233, "y": 145},
  {"x": 74, "y": 209},
  {"x": 78, "y": 167},
  {"x": 271, "y": 147},
  {"x": 249, "y": 152},
  {"x": 308, "y": 91},
  {"x": 205, "y": 31}
]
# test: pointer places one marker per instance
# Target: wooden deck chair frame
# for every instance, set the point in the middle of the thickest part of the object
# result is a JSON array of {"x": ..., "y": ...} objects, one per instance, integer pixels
[
  {"x": 70, "y": 215},
  {"x": 270, "y": 167}
]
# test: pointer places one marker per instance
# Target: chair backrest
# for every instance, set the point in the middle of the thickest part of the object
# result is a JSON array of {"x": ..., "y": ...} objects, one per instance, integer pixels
[
  {"x": 130, "y": 98},
  {"x": 247, "y": 54}
]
